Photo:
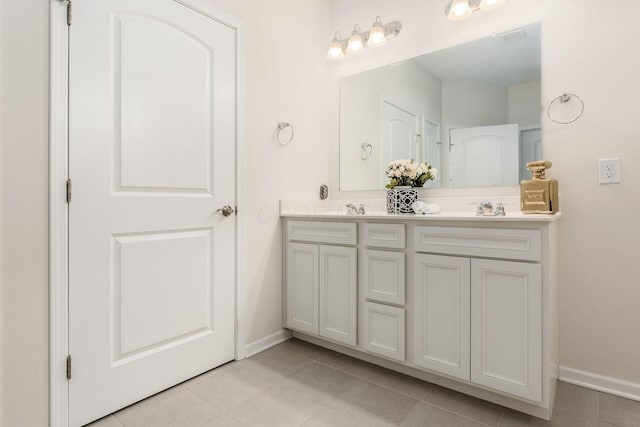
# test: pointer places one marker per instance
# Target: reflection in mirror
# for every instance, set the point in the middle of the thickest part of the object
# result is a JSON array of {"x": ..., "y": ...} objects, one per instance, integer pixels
[{"x": 472, "y": 111}]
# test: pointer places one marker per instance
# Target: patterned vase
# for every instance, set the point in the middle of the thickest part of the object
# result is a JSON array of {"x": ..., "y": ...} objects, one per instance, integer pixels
[{"x": 400, "y": 199}]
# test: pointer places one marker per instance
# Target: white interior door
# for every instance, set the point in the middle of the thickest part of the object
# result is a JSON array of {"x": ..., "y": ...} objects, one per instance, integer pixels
[
  {"x": 152, "y": 157},
  {"x": 484, "y": 156},
  {"x": 399, "y": 133},
  {"x": 431, "y": 148}
]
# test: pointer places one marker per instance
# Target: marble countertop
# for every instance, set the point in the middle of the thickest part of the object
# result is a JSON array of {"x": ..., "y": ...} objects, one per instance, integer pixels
[{"x": 329, "y": 210}]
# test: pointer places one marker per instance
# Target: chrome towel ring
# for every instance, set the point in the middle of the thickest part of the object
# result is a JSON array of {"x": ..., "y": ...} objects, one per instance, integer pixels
[
  {"x": 282, "y": 126},
  {"x": 366, "y": 151},
  {"x": 564, "y": 98}
]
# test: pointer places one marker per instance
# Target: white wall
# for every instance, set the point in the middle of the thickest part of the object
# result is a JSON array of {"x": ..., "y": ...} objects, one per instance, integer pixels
[
  {"x": 286, "y": 80},
  {"x": 1, "y": 210},
  {"x": 524, "y": 104},
  {"x": 23, "y": 177},
  {"x": 407, "y": 85},
  {"x": 586, "y": 49}
]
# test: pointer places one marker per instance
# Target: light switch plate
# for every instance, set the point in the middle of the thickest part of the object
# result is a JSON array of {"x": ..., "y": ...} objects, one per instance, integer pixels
[{"x": 609, "y": 171}]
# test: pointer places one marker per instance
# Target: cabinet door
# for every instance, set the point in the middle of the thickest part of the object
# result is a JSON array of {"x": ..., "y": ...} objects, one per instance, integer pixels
[
  {"x": 338, "y": 303},
  {"x": 302, "y": 287},
  {"x": 506, "y": 334},
  {"x": 384, "y": 330},
  {"x": 384, "y": 276},
  {"x": 442, "y": 314}
]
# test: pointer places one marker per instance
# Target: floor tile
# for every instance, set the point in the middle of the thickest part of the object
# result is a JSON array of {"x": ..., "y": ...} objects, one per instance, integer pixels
[
  {"x": 379, "y": 401},
  {"x": 343, "y": 414},
  {"x": 404, "y": 384},
  {"x": 109, "y": 421},
  {"x": 466, "y": 406},
  {"x": 578, "y": 400},
  {"x": 424, "y": 414},
  {"x": 177, "y": 407},
  {"x": 287, "y": 404},
  {"x": 304, "y": 348},
  {"x": 281, "y": 360},
  {"x": 619, "y": 411},
  {"x": 560, "y": 418},
  {"x": 223, "y": 421},
  {"x": 348, "y": 364},
  {"x": 322, "y": 379},
  {"x": 235, "y": 384}
]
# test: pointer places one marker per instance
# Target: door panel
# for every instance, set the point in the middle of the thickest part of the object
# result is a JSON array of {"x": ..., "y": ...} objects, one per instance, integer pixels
[
  {"x": 442, "y": 314},
  {"x": 337, "y": 292},
  {"x": 152, "y": 140},
  {"x": 399, "y": 129},
  {"x": 506, "y": 318},
  {"x": 484, "y": 156},
  {"x": 302, "y": 287}
]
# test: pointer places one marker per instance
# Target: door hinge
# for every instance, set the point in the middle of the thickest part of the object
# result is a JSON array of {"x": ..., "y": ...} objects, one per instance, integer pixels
[
  {"x": 236, "y": 210},
  {"x": 69, "y": 12},
  {"x": 68, "y": 367},
  {"x": 69, "y": 191}
]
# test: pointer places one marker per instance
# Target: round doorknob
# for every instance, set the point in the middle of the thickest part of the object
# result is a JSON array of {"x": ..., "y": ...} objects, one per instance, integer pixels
[{"x": 226, "y": 210}]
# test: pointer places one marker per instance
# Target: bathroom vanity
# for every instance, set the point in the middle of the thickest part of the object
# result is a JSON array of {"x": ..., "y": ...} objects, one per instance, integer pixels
[{"x": 466, "y": 302}]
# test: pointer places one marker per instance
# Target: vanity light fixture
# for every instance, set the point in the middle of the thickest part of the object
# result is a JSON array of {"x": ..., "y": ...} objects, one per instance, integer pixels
[
  {"x": 376, "y": 36},
  {"x": 355, "y": 44},
  {"x": 458, "y": 10}
]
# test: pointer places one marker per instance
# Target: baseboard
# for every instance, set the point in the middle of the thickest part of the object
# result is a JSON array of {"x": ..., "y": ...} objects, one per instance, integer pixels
[
  {"x": 267, "y": 342},
  {"x": 601, "y": 383}
]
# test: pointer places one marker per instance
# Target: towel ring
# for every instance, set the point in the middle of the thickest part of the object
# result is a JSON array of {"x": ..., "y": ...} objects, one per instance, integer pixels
[
  {"x": 564, "y": 98},
  {"x": 281, "y": 127},
  {"x": 367, "y": 149}
]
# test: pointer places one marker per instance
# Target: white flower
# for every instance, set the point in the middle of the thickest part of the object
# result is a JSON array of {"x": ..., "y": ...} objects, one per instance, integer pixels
[{"x": 433, "y": 172}]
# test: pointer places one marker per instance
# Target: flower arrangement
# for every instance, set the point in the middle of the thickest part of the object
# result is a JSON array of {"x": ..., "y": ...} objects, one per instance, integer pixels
[{"x": 406, "y": 172}]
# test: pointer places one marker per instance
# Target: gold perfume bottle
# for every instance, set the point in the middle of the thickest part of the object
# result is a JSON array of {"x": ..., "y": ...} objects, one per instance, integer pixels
[{"x": 539, "y": 194}]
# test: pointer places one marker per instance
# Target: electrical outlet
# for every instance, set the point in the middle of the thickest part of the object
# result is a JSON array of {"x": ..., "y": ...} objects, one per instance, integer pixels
[{"x": 609, "y": 171}]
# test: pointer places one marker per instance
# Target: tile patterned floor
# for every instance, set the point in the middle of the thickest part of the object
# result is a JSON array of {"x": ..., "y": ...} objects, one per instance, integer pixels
[{"x": 299, "y": 384}]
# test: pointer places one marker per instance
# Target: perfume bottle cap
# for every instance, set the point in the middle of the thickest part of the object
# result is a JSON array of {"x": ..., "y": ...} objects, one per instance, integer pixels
[{"x": 538, "y": 168}]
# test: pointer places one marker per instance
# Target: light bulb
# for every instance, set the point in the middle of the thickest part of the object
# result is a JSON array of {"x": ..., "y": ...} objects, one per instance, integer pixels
[
  {"x": 335, "y": 49},
  {"x": 377, "y": 36},
  {"x": 355, "y": 41},
  {"x": 491, "y": 4},
  {"x": 459, "y": 9}
]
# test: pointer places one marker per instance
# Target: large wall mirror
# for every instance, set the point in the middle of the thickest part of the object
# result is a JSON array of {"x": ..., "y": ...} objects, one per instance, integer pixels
[{"x": 472, "y": 111}]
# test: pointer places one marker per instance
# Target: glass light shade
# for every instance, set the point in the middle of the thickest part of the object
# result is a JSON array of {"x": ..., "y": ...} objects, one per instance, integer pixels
[
  {"x": 355, "y": 44},
  {"x": 459, "y": 10},
  {"x": 335, "y": 50},
  {"x": 377, "y": 36},
  {"x": 491, "y": 4}
]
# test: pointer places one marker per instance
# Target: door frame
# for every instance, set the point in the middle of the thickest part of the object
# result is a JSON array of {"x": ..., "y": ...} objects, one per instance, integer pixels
[{"x": 58, "y": 207}]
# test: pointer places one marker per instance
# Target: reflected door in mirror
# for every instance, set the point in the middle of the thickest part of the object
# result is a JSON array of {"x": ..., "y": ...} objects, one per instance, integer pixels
[{"x": 484, "y": 156}]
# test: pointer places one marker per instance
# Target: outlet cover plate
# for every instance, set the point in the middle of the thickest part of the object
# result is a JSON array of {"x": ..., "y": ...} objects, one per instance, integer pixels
[{"x": 609, "y": 171}]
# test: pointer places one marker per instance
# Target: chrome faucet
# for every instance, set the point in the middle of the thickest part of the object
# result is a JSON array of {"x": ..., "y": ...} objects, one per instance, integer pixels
[
  {"x": 486, "y": 209},
  {"x": 353, "y": 210}
]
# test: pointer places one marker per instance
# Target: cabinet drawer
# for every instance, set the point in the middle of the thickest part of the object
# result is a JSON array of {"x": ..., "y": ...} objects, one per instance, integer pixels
[
  {"x": 341, "y": 233},
  {"x": 384, "y": 330},
  {"x": 483, "y": 242},
  {"x": 384, "y": 236},
  {"x": 383, "y": 275}
]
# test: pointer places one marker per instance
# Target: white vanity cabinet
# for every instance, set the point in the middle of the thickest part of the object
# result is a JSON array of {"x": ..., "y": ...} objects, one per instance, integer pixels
[
  {"x": 466, "y": 303},
  {"x": 321, "y": 280},
  {"x": 479, "y": 319}
]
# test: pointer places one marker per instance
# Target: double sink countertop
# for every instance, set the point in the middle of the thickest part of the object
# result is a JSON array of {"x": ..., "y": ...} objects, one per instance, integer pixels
[{"x": 454, "y": 210}]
